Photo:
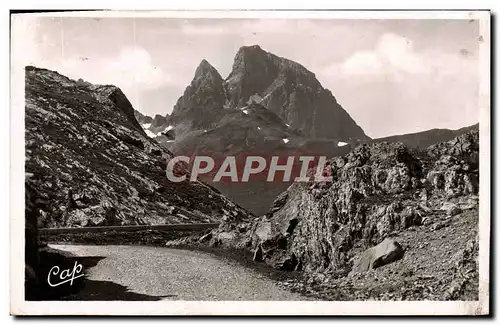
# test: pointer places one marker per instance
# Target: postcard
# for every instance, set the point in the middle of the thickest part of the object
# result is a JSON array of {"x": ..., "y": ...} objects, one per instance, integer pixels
[{"x": 250, "y": 163}]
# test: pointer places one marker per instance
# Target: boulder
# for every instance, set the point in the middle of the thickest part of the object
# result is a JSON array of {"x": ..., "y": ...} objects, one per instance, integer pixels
[
  {"x": 451, "y": 209},
  {"x": 384, "y": 253},
  {"x": 263, "y": 231}
]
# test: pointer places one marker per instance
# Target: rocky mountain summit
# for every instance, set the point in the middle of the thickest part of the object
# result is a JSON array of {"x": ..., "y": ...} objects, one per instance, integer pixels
[
  {"x": 395, "y": 223},
  {"x": 92, "y": 163},
  {"x": 290, "y": 91},
  {"x": 284, "y": 87},
  {"x": 266, "y": 106}
]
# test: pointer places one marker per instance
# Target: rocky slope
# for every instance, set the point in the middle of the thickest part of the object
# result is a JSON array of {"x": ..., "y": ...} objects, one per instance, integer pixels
[
  {"x": 423, "y": 201},
  {"x": 92, "y": 164}
]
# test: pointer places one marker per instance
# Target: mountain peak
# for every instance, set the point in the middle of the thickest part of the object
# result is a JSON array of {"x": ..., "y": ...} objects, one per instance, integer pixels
[
  {"x": 205, "y": 68},
  {"x": 250, "y": 51},
  {"x": 251, "y": 48},
  {"x": 205, "y": 64}
]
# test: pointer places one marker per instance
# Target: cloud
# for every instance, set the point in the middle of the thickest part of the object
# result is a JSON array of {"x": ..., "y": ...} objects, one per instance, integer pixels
[
  {"x": 135, "y": 67},
  {"x": 392, "y": 55},
  {"x": 133, "y": 70},
  {"x": 402, "y": 86},
  {"x": 132, "y": 67},
  {"x": 394, "y": 58}
]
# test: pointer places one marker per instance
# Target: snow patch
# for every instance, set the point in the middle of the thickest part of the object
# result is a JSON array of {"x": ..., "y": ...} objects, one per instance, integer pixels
[
  {"x": 285, "y": 140},
  {"x": 146, "y": 125},
  {"x": 341, "y": 144},
  {"x": 288, "y": 125},
  {"x": 170, "y": 127},
  {"x": 150, "y": 134},
  {"x": 245, "y": 111},
  {"x": 258, "y": 128}
]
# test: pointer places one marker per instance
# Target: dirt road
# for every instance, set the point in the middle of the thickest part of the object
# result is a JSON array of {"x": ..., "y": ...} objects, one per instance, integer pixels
[{"x": 157, "y": 273}]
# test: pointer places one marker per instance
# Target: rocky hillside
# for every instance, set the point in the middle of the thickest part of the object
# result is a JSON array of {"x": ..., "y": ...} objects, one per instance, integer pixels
[
  {"x": 395, "y": 223},
  {"x": 92, "y": 163}
]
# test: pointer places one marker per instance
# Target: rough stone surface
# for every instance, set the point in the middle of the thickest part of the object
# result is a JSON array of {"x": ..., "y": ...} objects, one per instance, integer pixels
[
  {"x": 379, "y": 191},
  {"x": 291, "y": 91},
  {"x": 93, "y": 165}
]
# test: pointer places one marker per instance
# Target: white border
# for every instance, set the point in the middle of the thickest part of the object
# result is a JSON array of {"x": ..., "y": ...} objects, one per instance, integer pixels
[{"x": 21, "y": 307}]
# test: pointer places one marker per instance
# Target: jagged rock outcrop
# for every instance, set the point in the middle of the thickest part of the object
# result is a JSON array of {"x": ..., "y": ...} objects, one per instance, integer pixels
[
  {"x": 284, "y": 87},
  {"x": 158, "y": 124},
  {"x": 92, "y": 163},
  {"x": 158, "y": 121},
  {"x": 456, "y": 167},
  {"x": 202, "y": 102},
  {"x": 322, "y": 222},
  {"x": 378, "y": 191},
  {"x": 291, "y": 91}
]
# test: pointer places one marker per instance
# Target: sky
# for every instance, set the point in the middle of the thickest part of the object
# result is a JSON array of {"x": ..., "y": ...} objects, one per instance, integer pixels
[{"x": 391, "y": 76}]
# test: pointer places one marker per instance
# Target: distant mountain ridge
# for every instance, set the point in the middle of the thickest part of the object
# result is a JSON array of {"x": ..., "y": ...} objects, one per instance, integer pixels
[{"x": 427, "y": 138}]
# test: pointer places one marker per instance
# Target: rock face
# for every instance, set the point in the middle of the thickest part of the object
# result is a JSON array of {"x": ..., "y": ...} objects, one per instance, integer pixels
[
  {"x": 158, "y": 121},
  {"x": 384, "y": 253},
  {"x": 202, "y": 102},
  {"x": 291, "y": 91},
  {"x": 379, "y": 190},
  {"x": 323, "y": 221},
  {"x": 92, "y": 163}
]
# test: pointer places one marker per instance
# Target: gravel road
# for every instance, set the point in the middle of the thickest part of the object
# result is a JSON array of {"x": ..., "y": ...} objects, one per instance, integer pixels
[{"x": 173, "y": 274}]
